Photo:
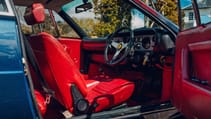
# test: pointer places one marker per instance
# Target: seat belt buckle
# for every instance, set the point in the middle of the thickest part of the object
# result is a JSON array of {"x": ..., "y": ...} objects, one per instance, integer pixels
[{"x": 48, "y": 99}]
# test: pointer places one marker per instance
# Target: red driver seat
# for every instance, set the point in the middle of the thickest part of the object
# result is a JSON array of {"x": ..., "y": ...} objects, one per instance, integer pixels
[{"x": 61, "y": 74}]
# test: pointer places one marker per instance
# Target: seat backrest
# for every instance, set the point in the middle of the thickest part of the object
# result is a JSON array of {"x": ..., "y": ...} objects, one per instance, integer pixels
[{"x": 57, "y": 67}]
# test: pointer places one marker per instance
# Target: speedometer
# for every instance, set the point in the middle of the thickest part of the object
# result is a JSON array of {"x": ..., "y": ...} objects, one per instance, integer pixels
[{"x": 146, "y": 42}]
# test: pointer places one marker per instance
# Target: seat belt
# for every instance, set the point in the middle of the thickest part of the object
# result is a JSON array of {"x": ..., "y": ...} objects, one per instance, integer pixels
[{"x": 32, "y": 59}]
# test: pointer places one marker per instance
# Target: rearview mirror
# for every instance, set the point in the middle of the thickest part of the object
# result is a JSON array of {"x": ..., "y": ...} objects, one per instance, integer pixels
[{"x": 84, "y": 7}]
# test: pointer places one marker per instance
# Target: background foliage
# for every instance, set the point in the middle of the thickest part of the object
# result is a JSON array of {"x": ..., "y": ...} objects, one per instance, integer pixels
[
  {"x": 168, "y": 8},
  {"x": 116, "y": 13},
  {"x": 109, "y": 16}
]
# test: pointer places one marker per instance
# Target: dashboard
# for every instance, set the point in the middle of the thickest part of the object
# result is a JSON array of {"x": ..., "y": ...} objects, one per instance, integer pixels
[
  {"x": 144, "y": 42},
  {"x": 145, "y": 39},
  {"x": 148, "y": 44}
]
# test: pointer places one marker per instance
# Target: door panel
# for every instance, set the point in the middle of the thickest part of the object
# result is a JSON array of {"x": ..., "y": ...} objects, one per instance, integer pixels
[
  {"x": 200, "y": 54},
  {"x": 196, "y": 103},
  {"x": 94, "y": 45},
  {"x": 95, "y": 48},
  {"x": 192, "y": 76}
]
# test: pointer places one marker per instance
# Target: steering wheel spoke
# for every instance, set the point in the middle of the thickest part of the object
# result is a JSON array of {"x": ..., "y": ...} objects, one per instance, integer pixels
[
  {"x": 116, "y": 55},
  {"x": 124, "y": 45},
  {"x": 114, "y": 44}
]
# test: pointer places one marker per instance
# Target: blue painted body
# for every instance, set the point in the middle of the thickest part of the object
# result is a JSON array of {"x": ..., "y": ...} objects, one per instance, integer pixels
[{"x": 15, "y": 97}]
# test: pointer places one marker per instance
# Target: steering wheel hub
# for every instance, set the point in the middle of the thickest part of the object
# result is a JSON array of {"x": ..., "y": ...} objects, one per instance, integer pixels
[{"x": 119, "y": 46}]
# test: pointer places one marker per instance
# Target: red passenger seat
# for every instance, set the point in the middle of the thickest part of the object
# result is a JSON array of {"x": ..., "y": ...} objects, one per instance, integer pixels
[{"x": 60, "y": 72}]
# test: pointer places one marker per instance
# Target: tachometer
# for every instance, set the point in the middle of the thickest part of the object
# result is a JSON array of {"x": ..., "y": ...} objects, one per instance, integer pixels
[{"x": 146, "y": 42}]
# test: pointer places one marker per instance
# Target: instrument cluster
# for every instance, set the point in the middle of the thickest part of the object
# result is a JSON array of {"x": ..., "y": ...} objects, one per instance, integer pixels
[
  {"x": 141, "y": 42},
  {"x": 144, "y": 42}
]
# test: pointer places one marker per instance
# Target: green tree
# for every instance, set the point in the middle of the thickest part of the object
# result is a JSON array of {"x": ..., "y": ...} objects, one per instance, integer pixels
[
  {"x": 46, "y": 26},
  {"x": 65, "y": 30},
  {"x": 87, "y": 25},
  {"x": 168, "y": 8},
  {"x": 26, "y": 29},
  {"x": 110, "y": 15}
]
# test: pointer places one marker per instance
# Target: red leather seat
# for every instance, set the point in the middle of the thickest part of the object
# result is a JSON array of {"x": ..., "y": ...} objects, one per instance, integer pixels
[{"x": 60, "y": 72}]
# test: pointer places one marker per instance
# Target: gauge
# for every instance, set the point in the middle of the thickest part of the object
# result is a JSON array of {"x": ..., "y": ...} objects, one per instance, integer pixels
[{"x": 146, "y": 42}]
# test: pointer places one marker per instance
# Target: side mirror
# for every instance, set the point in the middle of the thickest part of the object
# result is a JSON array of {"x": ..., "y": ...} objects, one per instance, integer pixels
[{"x": 84, "y": 7}]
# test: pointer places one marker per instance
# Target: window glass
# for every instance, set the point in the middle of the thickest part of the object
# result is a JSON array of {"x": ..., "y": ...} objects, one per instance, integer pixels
[
  {"x": 47, "y": 26},
  {"x": 187, "y": 15},
  {"x": 26, "y": 29},
  {"x": 64, "y": 29},
  {"x": 3, "y": 7},
  {"x": 204, "y": 10}
]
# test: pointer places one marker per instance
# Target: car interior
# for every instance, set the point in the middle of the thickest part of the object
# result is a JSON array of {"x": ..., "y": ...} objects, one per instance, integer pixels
[{"x": 88, "y": 75}]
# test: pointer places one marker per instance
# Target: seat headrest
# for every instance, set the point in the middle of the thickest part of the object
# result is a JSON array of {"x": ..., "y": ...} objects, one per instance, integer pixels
[{"x": 34, "y": 14}]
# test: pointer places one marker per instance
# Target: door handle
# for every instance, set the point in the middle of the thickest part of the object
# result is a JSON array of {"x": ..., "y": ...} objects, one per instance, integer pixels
[{"x": 203, "y": 82}]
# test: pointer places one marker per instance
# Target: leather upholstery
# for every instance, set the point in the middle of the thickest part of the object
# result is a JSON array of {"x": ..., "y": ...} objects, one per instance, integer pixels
[
  {"x": 34, "y": 14},
  {"x": 57, "y": 67},
  {"x": 110, "y": 92},
  {"x": 40, "y": 102},
  {"x": 60, "y": 72}
]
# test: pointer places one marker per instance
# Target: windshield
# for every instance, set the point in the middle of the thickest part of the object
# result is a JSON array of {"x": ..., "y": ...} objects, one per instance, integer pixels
[{"x": 106, "y": 16}]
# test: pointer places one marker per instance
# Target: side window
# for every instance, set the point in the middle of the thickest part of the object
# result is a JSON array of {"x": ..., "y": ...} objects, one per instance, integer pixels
[
  {"x": 47, "y": 26},
  {"x": 26, "y": 29},
  {"x": 64, "y": 29},
  {"x": 188, "y": 16},
  {"x": 3, "y": 6},
  {"x": 205, "y": 11}
]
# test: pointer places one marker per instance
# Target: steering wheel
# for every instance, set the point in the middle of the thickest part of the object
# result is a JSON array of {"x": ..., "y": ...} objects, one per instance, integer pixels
[{"x": 118, "y": 48}]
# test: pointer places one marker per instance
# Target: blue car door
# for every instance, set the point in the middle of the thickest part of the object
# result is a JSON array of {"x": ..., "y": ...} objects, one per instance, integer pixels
[{"x": 15, "y": 95}]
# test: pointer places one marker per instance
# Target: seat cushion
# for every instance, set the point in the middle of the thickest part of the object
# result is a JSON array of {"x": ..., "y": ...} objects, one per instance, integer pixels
[{"x": 109, "y": 92}]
